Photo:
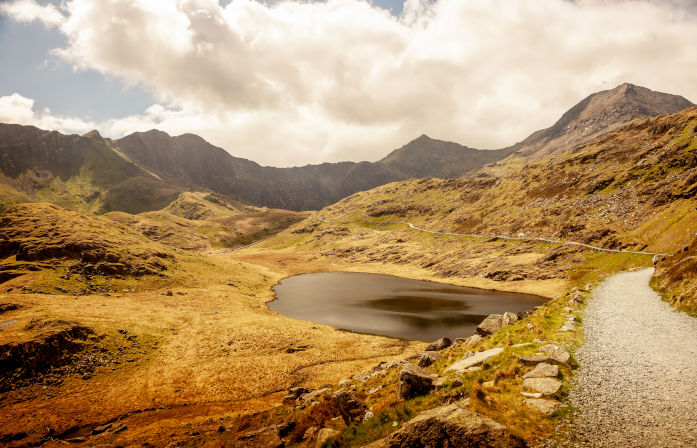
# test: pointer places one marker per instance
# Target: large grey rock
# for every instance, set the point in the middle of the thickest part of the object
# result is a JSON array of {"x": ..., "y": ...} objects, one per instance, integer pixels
[
  {"x": 309, "y": 396},
  {"x": 452, "y": 426},
  {"x": 439, "y": 345},
  {"x": 351, "y": 408},
  {"x": 475, "y": 359},
  {"x": 325, "y": 435},
  {"x": 557, "y": 353},
  {"x": 546, "y": 407},
  {"x": 543, "y": 370},
  {"x": 415, "y": 381},
  {"x": 545, "y": 386},
  {"x": 490, "y": 325}
]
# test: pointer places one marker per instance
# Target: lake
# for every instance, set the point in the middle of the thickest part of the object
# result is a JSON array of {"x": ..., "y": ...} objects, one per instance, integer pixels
[{"x": 393, "y": 306}]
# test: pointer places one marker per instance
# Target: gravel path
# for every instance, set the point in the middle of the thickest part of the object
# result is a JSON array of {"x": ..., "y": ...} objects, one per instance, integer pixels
[{"x": 637, "y": 385}]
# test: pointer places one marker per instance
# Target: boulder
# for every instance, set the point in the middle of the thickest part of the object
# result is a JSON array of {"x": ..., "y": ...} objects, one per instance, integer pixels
[
  {"x": 475, "y": 359},
  {"x": 450, "y": 427},
  {"x": 351, "y": 408},
  {"x": 545, "y": 386},
  {"x": 428, "y": 358},
  {"x": 470, "y": 341},
  {"x": 543, "y": 370},
  {"x": 556, "y": 353},
  {"x": 415, "y": 381},
  {"x": 546, "y": 407},
  {"x": 325, "y": 435},
  {"x": 439, "y": 345},
  {"x": 490, "y": 325}
]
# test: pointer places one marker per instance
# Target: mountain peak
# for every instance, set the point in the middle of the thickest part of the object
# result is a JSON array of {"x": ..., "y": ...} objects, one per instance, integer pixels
[
  {"x": 600, "y": 113},
  {"x": 93, "y": 134}
]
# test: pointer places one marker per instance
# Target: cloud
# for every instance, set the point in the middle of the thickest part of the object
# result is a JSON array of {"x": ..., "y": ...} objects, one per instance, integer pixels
[
  {"x": 30, "y": 10},
  {"x": 20, "y": 110},
  {"x": 298, "y": 82}
]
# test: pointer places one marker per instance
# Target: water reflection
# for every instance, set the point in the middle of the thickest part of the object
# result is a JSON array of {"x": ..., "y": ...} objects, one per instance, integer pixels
[{"x": 392, "y": 306}]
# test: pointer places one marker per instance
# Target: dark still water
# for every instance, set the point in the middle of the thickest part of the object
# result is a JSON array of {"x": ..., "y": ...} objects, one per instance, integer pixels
[{"x": 393, "y": 306}]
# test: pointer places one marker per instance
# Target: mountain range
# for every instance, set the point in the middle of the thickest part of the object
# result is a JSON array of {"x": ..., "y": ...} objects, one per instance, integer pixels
[{"x": 146, "y": 171}]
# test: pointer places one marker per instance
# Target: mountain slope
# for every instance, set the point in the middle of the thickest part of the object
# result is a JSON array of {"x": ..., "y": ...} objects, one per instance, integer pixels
[
  {"x": 596, "y": 115},
  {"x": 81, "y": 172}
]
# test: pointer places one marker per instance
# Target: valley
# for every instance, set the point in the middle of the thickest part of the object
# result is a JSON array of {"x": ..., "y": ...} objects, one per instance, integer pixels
[{"x": 136, "y": 281}]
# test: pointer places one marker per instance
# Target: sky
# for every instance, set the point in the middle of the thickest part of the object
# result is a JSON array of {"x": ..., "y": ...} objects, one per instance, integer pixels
[{"x": 290, "y": 82}]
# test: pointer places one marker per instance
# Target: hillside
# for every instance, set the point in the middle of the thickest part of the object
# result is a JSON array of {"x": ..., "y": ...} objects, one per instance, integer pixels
[
  {"x": 631, "y": 189},
  {"x": 81, "y": 172}
]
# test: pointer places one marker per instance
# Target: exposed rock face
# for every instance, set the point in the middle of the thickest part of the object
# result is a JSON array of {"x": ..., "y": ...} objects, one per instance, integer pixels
[
  {"x": 452, "y": 426},
  {"x": 475, "y": 359},
  {"x": 439, "y": 345},
  {"x": 415, "y": 381}
]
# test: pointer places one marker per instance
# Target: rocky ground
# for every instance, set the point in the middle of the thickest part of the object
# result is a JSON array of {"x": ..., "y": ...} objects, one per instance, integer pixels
[{"x": 636, "y": 385}]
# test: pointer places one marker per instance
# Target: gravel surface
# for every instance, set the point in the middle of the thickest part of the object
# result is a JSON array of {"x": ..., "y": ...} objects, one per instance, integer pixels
[{"x": 637, "y": 384}]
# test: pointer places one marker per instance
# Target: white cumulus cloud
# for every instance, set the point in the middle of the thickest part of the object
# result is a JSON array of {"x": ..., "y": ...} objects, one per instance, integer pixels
[{"x": 305, "y": 82}]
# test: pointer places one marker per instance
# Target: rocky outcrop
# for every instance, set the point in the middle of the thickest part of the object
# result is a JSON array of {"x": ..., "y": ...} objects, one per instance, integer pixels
[
  {"x": 452, "y": 426},
  {"x": 352, "y": 409}
]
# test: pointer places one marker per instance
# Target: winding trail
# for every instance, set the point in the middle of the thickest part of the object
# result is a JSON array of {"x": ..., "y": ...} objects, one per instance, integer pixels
[{"x": 637, "y": 385}]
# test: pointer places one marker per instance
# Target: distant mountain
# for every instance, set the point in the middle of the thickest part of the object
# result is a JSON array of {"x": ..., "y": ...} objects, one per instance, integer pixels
[
  {"x": 188, "y": 161},
  {"x": 147, "y": 170},
  {"x": 599, "y": 114},
  {"x": 85, "y": 173}
]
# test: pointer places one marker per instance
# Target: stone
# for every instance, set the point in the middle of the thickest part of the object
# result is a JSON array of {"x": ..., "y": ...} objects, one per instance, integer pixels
[
  {"x": 656, "y": 259},
  {"x": 490, "y": 325},
  {"x": 531, "y": 394},
  {"x": 450, "y": 426},
  {"x": 557, "y": 353},
  {"x": 284, "y": 429},
  {"x": 487, "y": 385},
  {"x": 415, "y": 381},
  {"x": 475, "y": 359},
  {"x": 545, "y": 386},
  {"x": 325, "y": 435},
  {"x": 262, "y": 438},
  {"x": 543, "y": 370},
  {"x": 439, "y": 345},
  {"x": 169, "y": 293},
  {"x": 568, "y": 326},
  {"x": 309, "y": 396},
  {"x": 368, "y": 415},
  {"x": 472, "y": 340},
  {"x": 428, "y": 358},
  {"x": 351, "y": 408},
  {"x": 546, "y": 407},
  {"x": 310, "y": 433},
  {"x": 509, "y": 318},
  {"x": 457, "y": 383}
]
